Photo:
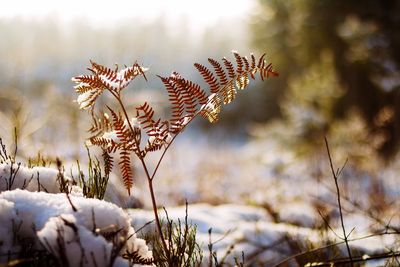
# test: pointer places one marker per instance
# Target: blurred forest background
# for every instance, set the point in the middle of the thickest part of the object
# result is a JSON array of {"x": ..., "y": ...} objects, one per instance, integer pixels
[{"x": 339, "y": 65}]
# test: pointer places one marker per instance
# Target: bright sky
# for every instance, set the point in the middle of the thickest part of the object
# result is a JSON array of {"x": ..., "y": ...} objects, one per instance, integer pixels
[{"x": 199, "y": 14}]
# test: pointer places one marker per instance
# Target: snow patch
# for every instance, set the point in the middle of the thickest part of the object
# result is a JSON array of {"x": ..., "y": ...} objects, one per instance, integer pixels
[
  {"x": 13, "y": 176},
  {"x": 49, "y": 220}
]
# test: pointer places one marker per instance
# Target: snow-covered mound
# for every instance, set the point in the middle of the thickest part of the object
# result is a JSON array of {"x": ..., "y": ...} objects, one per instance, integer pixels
[
  {"x": 81, "y": 231},
  {"x": 13, "y": 176},
  {"x": 36, "y": 179}
]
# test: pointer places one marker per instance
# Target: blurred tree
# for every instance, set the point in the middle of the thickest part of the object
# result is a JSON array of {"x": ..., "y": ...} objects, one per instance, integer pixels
[{"x": 356, "y": 43}]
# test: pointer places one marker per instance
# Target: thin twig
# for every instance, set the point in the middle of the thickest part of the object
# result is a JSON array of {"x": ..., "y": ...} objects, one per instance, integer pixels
[
  {"x": 333, "y": 245},
  {"x": 335, "y": 177}
]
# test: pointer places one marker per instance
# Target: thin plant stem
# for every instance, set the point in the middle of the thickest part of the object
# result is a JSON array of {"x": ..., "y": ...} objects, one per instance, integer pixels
[
  {"x": 335, "y": 177},
  {"x": 168, "y": 146},
  {"x": 315, "y": 250},
  {"x": 149, "y": 178}
]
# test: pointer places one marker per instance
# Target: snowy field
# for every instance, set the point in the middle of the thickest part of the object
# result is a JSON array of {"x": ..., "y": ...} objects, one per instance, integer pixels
[{"x": 268, "y": 207}]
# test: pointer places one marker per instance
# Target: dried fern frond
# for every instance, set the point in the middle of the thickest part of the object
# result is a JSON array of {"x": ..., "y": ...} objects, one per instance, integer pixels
[
  {"x": 208, "y": 77},
  {"x": 126, "y": 169},
  {"x": 219, "y": 71},
  {"x": 90, "y": 87},
  {"x": 144, "y": 114},
  {"x": 87, "y": 99},
  {"x": 175, "y": 98},
  {"x": 104, "y": 143},
  {"x": 120, "y": 133},
  {"x": 236, "y": 78},
  {"x": 117, "y": 80},
  {"x": 211, "y": 110},
  {"x": 189, "y": 99},
  {"x": 108, "y": 162},
  {"x": 157, "y": 131},
  {"x": 100, "y": 124},
  {"x": 134, "y": 258}
]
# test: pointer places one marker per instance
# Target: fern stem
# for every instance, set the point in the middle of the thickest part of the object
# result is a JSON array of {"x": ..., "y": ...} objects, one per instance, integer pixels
[
  {"x": 149, "y": 178},
  {"x": 169, "y": 145},
  {"x": 162, "y": 157}
]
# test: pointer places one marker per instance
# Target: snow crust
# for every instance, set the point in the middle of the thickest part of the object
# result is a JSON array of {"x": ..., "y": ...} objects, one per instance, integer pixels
[
  {"x": 253, "y": 231},
  {"x": 50, "y": 221},
  {"x": 284, "y": 183},
  {"x": 13, "y": 176}
]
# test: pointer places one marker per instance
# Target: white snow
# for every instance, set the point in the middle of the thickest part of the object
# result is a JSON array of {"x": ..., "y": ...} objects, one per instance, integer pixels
[
  {"x": 251, "y": 230},
  {"x": 285, "y": 183},
  {"x": 112, "y": 136},
  {"x": 247, "y": 228},
  {"x": 48, "y": 218},
  {"x": 13, "y": 176},
  {"x": 85, "y": 99}
]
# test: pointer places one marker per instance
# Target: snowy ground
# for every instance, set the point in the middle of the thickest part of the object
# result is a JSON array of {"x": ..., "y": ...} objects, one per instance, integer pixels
[
  {"x": 252, "y": 230},
  {"x": 280, "y": 206}
]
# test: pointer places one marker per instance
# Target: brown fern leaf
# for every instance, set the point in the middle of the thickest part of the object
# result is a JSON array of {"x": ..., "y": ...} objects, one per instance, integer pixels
[
  {"x": 125, "y": 76},
  {"x": 267, "y": 72},
  {"x": 176, "y": 101},
  {"x": 108, "y": 162},
  {"x": 122, "y": 131},
  {"x": 144, "y": 114},
  {"x": 106, "y": 78},
  {"x": 246, "y": 64},
  {"x": 228, "y": 93},
  {"x": 261, "y": 62},
  {"x": 100, "y": 124},
  {"x": 105, "y": 74},
  {"x": 102, "y": 142},
  {"x": 236, "y": 79},
  {"x": 219, "y": 71},
  {"x": 239, "y": 62},
  {"x": 88, "y": 99},
  {"x": 126, "y": 169},
  {"x": 130, "y": 73},
  {"x": 229, "y": 67},
  {"x": 82, "y": 88},
  {"x": 189, "y": 97},
  {"x": 265, "y": 69},
  {"x": 91, "y": 81},
  {"x": 154, "y": 144},
  {"x": 212, "y": 109},
  {"x": 89, "y": 87},
  {"x": 227, "y": 89},
  {"x": 158, "y": 129},
  {"x": 135, "y": 257},
  {"x": 195, "y": 90},
  {"x": 242, "y": 81},
  {"x": 159, "y": 135},
  {"x": 208, "y": 77},
  {"x": 154, "y": 129},
  {"x": 253, "y": 68},
  {"x": 185, "y": 97},
  {"x": 191, "y": 92},
  {"x": 112, "y": 79}
]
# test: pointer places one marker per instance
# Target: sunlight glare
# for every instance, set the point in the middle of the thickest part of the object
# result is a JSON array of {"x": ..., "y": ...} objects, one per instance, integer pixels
[{"x": 198, "y": 14}]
